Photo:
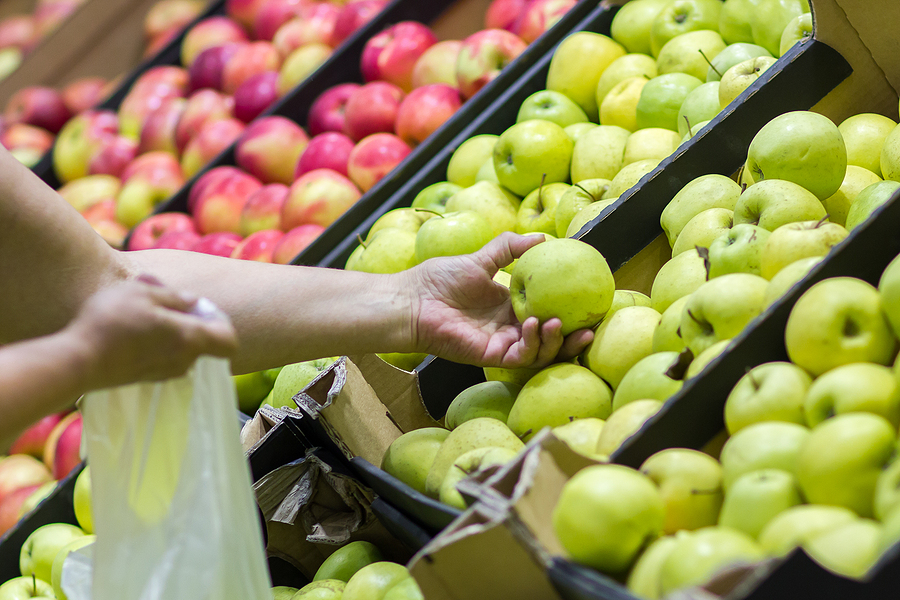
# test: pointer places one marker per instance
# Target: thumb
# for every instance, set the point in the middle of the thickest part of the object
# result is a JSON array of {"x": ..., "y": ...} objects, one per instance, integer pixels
[{"x": 503, "y": 249}]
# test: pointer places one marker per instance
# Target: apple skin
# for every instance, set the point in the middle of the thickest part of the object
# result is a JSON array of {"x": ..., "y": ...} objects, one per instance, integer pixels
[
  {"x": 262, "y": 210},
  {"x": 856, "y": 179},
  {"x": 26, "y": 587},
  {"x": 213, "y": 31},
  {"x": 220, "y": 243},
  {"x": 18, "y": 31},
  {"x": 697, "y": 557},
  {"x": 272, "y": 15},
  {"x": 677, "y": 278},
  {"x": 294, "y": 242},
  {"x": 158, "y": 131},
  {"x": 666, "y": 336},
  {"x": 690, "y": 483},
  {"x": 482, "y": 56},
  {"x": 13, "y": 506},
  {"x": 794, "y": 526},
  {"x": 147, "y": 233},
  {"x": 889, "y": 288},
  {"x": 857, "y": 387},
  {"x": 374, "y": 157},
  {"x": 79, "y": 140},
  {"x": 741, "y": 76},
  {"x": 258, "y": 246},
  {"x": 574, "y": 199},
  {"x": 202, "y": 107},
  {"x": 255, "y": 95},
  {"x": 537, "y": 212},
  {"x": 20, "y": 471},
  {"x": 701, "y": 104},
  {"x": 682, "y": 16},
  {"x": 772, "y": 391},
  {"x": 452, "y": 234},
  {"x": 703, "y": 193},
  {"x": 344, "y": 562},
  {"x": 788, "y": 277},
  {"x": 327, "y": 112},
  {"x": 487, "y": 399},
  {"x": 836, "y": 322},
  {"x": 890, "y": 156},
  {"x": 869, "y": 199},
  {"x": 424, "y": 110},
  {"x": 643, "y": 579},
  {"x": 435, "y": 197},
  {"x": 219, "y": 210},
  {"x": 318, "y": 197},
  {"x": 213, "y": 139},
  {"x": 624, "y": 67},
  {"x": 577, "y": 66},
  {"x": 798, "y": 29},
  {"x": 598, "y": 153},
  {"x": 437, "y": 65},
  {"x": 795, "y": 241},
  {"x": 773, "y": 203},
  {"x": 300, "y": 64},
  {"x": 647, "y": 380},
  {"x": 620, "y": 341},
  {"x": 732, "y": 55},
  {"x": 756, "y": 497},
  {"x": 269, "y": 149},
  {"x": 40, "y": 106},
  {"x": 372, "y": 108},
  {"x": 498, "y": 206},
  {"x": 353, "y": 16},
  {"x": 206, "y": 70},
  {"x": 662, "y": 97},
  {"x": 314, "y": 23},
  {"x": 849, "y": 550},
  {"x": 551, "y": 106},
  {"x": 473, "y": 461},
  {"x": 541, "y": 15},
  {"x": 619, "y": 105},
  {"x": 392, "y": 54},
  {"x": 385, "y": 251},
  {"x": 685, "y": 53},
  {"x": 770, "y": 18},
  {"x": 225, "y": 180},
  {"x": 32, "y": 440},
  {"x": 704, "y": 229},
  {"x": 739, "y": 250},
  {"x": 62, "y": 450},
  {"x": 329, "y": 150},
  {"x": 248, "y": 60},
  {"x": 764, "y": 445},
  {"x": 469, "y": 157},
  {"x": 151, "y": 88},
  {"x": 530, "y": 153}
]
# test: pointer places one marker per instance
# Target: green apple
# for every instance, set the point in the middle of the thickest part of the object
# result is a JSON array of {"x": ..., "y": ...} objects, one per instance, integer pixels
[
  {"x": 631, "y": 25},
  {"x": 840, "y": 462},
  {"x": 81, "y": 500},
  {"x": 771, "y": 17},
  {"x": 624, "y": 67},
  {"x": 764, "y": 445},
  {"x": 774, "y": 202},
  {"x": 487, "y": 172},
  {"x": 695, "y": 129},
  {"x": 581, "y": 435},
  {"x": 738, "y": 250},
  {"x": 889, "y": 287},
  {"x": 574, "y": 131},
  {"x": 856, "y": 179},
  {"x": 755, "y": 498},
  {"x": 620, "y": 341},
  {"x": 677, "y": 278},
  {"x": 690, "y": 483},
  {"x": 741, "y": 76},
  {"x": 536, "y": 289},
  {"x": 435, "y": 196},
  {"x": 651, "y": 143},
  {"x": 890, "y": 155},
  {"x": 887, "y": 491},
  {"x": 407, "y": 589},
  {"x": 794, "y": 241},
  {"x": 598, "y": 153},
  {"x": 468, "y": 158},
  {"x": 704, "y": 358},
  {"x": 23, "y": 588},
  {"x": 42, "y": 546},
  {"x": 788, "y": 276},
  {"x": 537, "y": 213},
  {"x": 324, "y": 589},
  {"x": 623, "y": 298},
  {"x": 730, "y": 56},
  {"x": 721, "y": 308},
  {"x": 682, "y": 16},
  {"x": 606, "y": 515},
  {"x": 375, "y": 581},
  {"x": 407, "y": 361},
  {"x": 452, "y": 234},
  {"x": 701, "y": 104},
  {"x": 386, "y": 251},
  {"x": 836, "y": 322},
  {"x": 667, "y": 336},
  {"x": 697, "y": 557},
  {"x": 410, "y": 456},
  {"x": 623, "y": 423},
  {"x": 555, "y": 396},
  {"x": 294, "y": 378},
  {"x": 643, "y": 579},
  {"x": 702, "y": 193},
  {"x": 803, "y": 147},
  {"x": 798, "y": 29},
  {"x": 467, "y": 464},
  {"x": 690, "y": 53},
  {"x": 530, "y": 153},
  {"x": 890, "y": 531},
  {"x": 497, "y": 205},
  {"x": 773, "y": 391},
  {"x": 648, "y": 380},
  {"x": 56, "y": 570},
  {"x": 408, "y": 219},
  {"x": 794, "y": 526},
  {"x": 518, "y": 376},
  {"x": 857, "y": 387},
  {"x": 629, "y": 176},
  {"x": 487, "y": 399},
  {"x": 551, "y": 106},
  {"x": 849, "y": 550},
  {"x": 735, "y": 20},
  {"x": 869, "y": 200},
  {"x": 480, "y": 432},
  {"x": 619, "y": 105},
  {"x": 577, "y": 65},
  {"x": 663, "y": 96},
  {"x": 574, "y": 199},
  {"x": 586, "y": 215}
]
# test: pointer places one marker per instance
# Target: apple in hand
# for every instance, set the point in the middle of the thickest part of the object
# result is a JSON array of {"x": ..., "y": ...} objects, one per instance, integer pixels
[
  {"x": 794, "y": 241},
  {"x": 482, "y": 56},
  {"x": 721, "y": 308},
  {"x": 774, "y": 391},
  {"x": 531, "y": 153}
]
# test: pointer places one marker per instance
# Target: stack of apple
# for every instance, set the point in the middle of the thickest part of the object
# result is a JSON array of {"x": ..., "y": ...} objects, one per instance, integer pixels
[{"x": 45, "y": 453}]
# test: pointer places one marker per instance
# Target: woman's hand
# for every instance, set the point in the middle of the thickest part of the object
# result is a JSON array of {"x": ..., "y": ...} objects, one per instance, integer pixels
[{"x": 460, "y": 313}]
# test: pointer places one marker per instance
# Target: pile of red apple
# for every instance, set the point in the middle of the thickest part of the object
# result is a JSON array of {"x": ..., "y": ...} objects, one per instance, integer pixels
[{"x": 20, "y": 34}]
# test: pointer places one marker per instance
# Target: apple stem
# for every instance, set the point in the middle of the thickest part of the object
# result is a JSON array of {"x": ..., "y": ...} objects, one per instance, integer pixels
[
  {"x": 361, "y": 241},
  {"x": 428, "y": 210},
  {"x": 688, "y": 121},
  {"x": 540, "y": 202},
  {"x": 679, "y": 368},
  {"x": 709, "y": 62},
  {"x": 753, "y": 381},
  {"x": 704, "y": 254},
  {"x": 590, "y": 195},
  {"x": 34, "y": 584},
  {"x": 822, "y": 221},
  {"x": 526, "y": 434}
]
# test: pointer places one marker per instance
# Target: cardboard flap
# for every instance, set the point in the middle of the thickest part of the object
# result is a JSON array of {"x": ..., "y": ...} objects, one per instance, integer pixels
[
  {"x": 398, "y": 390},
  {"x": 263, "y": 422}
]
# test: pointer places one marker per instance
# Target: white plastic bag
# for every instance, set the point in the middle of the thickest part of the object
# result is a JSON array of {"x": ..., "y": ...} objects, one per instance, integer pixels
[{"x": 174, "y": 512}]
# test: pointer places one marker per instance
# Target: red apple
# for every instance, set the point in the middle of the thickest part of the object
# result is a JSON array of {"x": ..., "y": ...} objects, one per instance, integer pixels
[
  {"x": 391, "y": 55},
  {"x": 178, "y": 240},
  {"x": 270, "y": 148},
  {"x": 273, "y": 14},
  {"x": 224, "y": 179},
  {"x": 203, "y": 106},
  {"x": 86, "y": 191},
  {"x": 424, "y": 110},
  {"x": 158, "y": 132},
  {"x": 169, "y": 15},
  {"x": 220, "y": 205},
  {"x": 327, "y": 111},
  {"x": 374, "y": 157},
  {"x": 159, "y": 167},
  {"x": 255, "y": 95},
  {"x": 263, "y": 209},
  {"x": 248, "y": 60},
  {"x": 20, "y": 135},
  {"x": 244, "y": 11},
  {"x": 314, "y": 23},
  {"x": 329, "y": 150},
  {"x": 206, "y": 70},
  {"x": 294, "y": 242},
  {"x": 32, "y": 440},
  {"x": 36, "y": 496},
  {"x": 318, "y": 197},
  {"x": 113, "y": 156},
  {"x": 218, "y": 244},
  {"x": 213, "y": 31},
  {"x": 18, "y": 31},
  {"x": 482, "y": 56},
  {"x": 437, "y": 64},
  {"x": 11, "y": 507},
  {"x": 541, "y": 16},
  {"x": 104, "y": 210},
  {"x": 503, "y": 14},
  {"x": 148, "y": 232},
  {"x": 85, "y": 93},
  {"x": 79, "y": 140},
  {"x": 39, "y": 106},
  {"x": 372, "y": 109},
  {"x": 147, "y": 94},
  {"x": 62, "y": 452},
  {"x": 19, "y": 471},
  {"x": 213, "y": 139},
  {"x": 258, "y": 246},
  {"x": 353, "y": 16}
]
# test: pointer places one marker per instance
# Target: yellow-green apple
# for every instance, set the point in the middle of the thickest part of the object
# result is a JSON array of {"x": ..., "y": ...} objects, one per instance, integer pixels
[
  {"x": 721, "y": 308},
  {"x": 619, "y": 105},
  {"x": 206, "y": 70},
  {"x": 22, "y": 588},
  {"x": 469, "y": 157},
  {"x": 252, "y": 389},
  {"x": 755, "y": 498},
  {"x": 667, "y": 336},
  {"x": 300, "y": 64},
  {"x": 80, "y": 140},
  {"x": 372, "y": 108},
  {"x": 869, "y": 199},
  {"x": 262, "y": 210},
  {"x": 703, "y": 193},
  {"x": 799, "y": 28},
  {"x": 353, "y": 16},
  {"x": 486, "y": 399},
  {"x": 382, "y": 580},
  {"x": 388, "y": 250},
  {"x": 85, "y": 192},
  {"x": 764, "y": 445},
  {"x": 606, "y": 515},
  {"x": 629, "y": 176},
  {"x": 682, "y": 16},
  {"x": 468, "y": 464},
  {"x": 56, "y": 569},
  {"x": 424, "y": 110},
  {"x": 583, "y": 217},
  {"x": 551, "y": 106},
  {"x": 789, "y": 275},
  {"x": 294, "y": 378},
  {"x": 598, "y": 154},
  {"x": 269, "y": 149},
  {"x": 410, "y": 456},
  {"x": 409, "y": 219},
  {"x": 703, "y": 230},
  {"x": 731, "y": 56},
  {"x": 798, "y": 524},
  {"x": 437, "y": 64},
  {"x": 212, "y": 139},
  {"x": 541, "y": 15},
  {"x": 662, "y": 97},
  {"x": 620, "y": 341},
  {"x": 700, "y": 362},
  {"x": 63, "y": 446},
  {"x": 890, "y": 156},
  {"x": 643, "y": 578},
  {"x": 887, "y": 491},
  {"x": 203, "y": 107},
  {"x": 690, "y": 53},
  {"x": 849, "y": 550},
  {"x": 770, "y": 18},
  {"x": 581, "y": 435},
  {"x": 803, "y": 147},
  {"x": 695, "y": 129},
  {"x": 434, "y": 198},
  {"x": 690, "y": 483},
  {"x": 577, "y": 66},
  {"x": 272, "y": 15},
  {"x": 623, "y": 423},
  {"x": 12, "y": 505},
  {"x": 624, "y": 67},
  {"x": 329, "y": 150},
  {"x": 212, "y": 31},
  {"x": 701, "y": 104},
  {"x": 677, "y": 278},
  {"x": 856, "y": 179},
  {"x": 794, "y": 241},
  {"x": 347, "y": 560},
  {"x": 840, "y": 462},
  {"x": 632, "y": 23},
  {"x": 374, "y": 157},
  {"x": 537, "y": 212},
  {"x": 856, "y": 387},
  {"x": 36, "y": 105},
  {"x": 258, "y": 246},
  {"x": 21, "y": 471},
  {"x": 148, "y": 232},
  {"x": 836, "y": 322},
  {"x": 391, "y": 55},
  {"x": 532, "y": 153},
  {"x": 889, "y": 288},
  {"x": 10, "y": 60},
  {"x": 555, "y": 396},
  {"x": 294, "y": 242},
  {"x": 327, "y": 112},
  {"x": 741, "y": 76},
  {"x": 451, "y": 234},
  {"x": 774, "y": 391},
  {"x": 151, "y": 88},
  {"x": 255, "y": 95},
  {"x": 735, "y": 20},
  {"x": 314, "y": 23},
  {"x": 158, "y": 131},
  {"x": 248, "y": 60},
  {"x": 220, "y": 243},
  {"x": 739, "y": 250},
  {"x": 648, "y": 379},
  {"x": 475, "y": 433},
  {"x": 650, "y": 143},
  {"x": 482, "y": 56},
  {"x": 774, "y": 202},
  {"x": 697, "y": 557},
  {"x": 325, "y": 589},
  {"x": 42, "y": 546},
  {"x": 574, "y": 199},
  {"x": 518, "y": 376},
  {"x": 318, "y": 197}
]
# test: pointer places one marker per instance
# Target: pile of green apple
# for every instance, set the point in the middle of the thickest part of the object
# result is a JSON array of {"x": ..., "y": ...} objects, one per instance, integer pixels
[{"x": 276, "y": 387}]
